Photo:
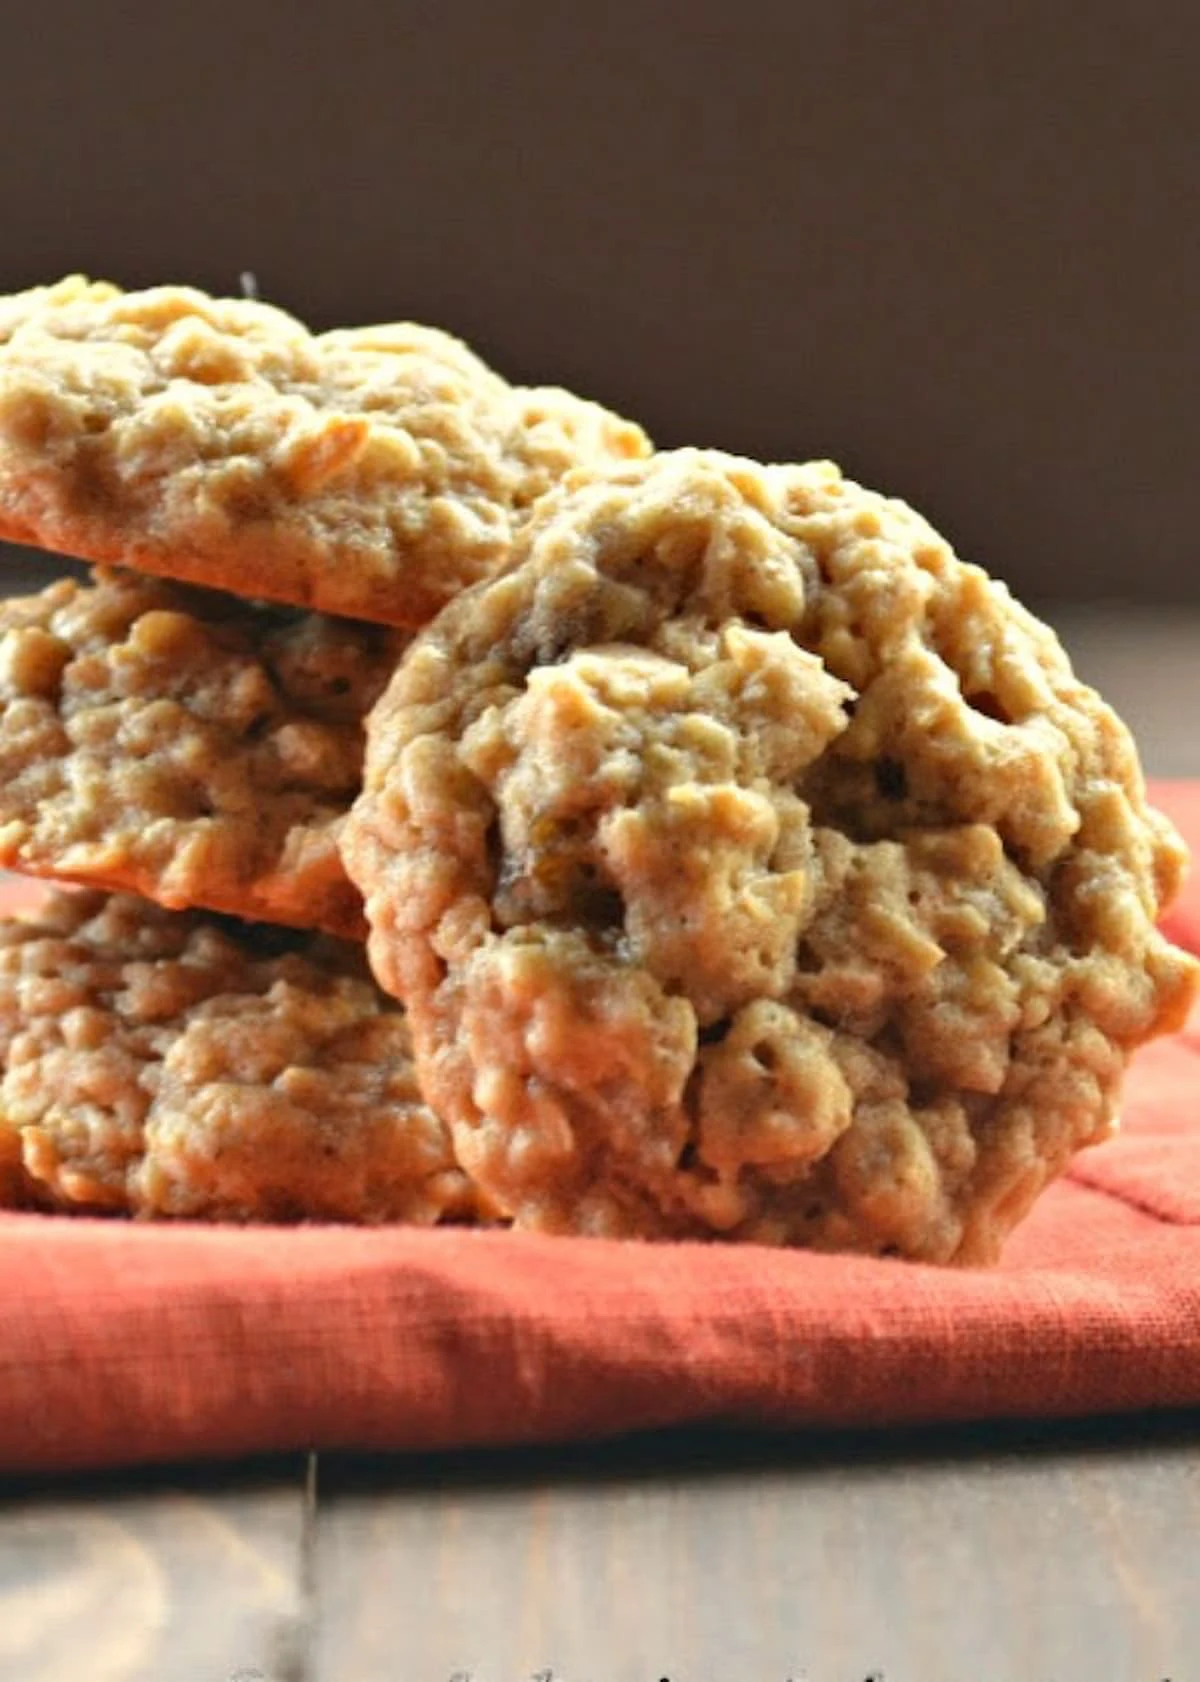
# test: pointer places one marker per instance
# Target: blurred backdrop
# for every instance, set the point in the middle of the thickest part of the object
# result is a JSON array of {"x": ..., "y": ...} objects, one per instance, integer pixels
[{"x": 953, "y": 246}]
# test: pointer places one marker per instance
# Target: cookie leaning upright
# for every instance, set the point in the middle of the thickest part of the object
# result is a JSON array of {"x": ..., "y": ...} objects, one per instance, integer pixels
[
  {"x": 750, "y": 865},
  {"x": 369, "y": 472}
]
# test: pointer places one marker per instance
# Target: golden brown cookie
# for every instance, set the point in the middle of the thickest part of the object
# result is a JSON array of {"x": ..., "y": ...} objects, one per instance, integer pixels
[
  {"x": 156, "y": 1063},
  {"x": 749, "y": 865},
  {"x": 185, "y": 745},
  {"x": 371, "y": 472}
]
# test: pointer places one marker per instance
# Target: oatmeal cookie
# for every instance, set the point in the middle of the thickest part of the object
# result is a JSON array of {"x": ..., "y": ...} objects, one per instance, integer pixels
[
  {"x": 185, "y": 745},
  {"x": 160, "y": 1063},
  {"x": 370, "y": 472},
  {"x": 750, "y": 865}
]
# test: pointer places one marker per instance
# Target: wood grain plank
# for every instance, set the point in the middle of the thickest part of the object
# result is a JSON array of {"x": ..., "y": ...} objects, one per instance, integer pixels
[
  {"x": 976, "y": 1555},
  {"x": 189, "y": 1577}
]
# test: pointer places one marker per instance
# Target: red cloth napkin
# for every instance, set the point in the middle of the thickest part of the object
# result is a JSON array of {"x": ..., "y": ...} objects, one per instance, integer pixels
[{"x": 123, "y": 1343}]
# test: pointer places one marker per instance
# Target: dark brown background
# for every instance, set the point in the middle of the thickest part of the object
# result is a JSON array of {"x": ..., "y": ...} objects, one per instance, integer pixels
[{"x": 953, "y": 245}]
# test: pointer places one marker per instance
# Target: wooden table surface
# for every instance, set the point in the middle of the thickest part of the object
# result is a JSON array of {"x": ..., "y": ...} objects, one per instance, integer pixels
[{"x": 990, "y": 1554}]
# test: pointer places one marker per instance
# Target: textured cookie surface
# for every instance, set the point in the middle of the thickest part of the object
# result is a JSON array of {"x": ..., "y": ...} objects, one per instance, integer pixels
[
  {"x": 157, "y": 1063},
  {"x": 751, "y": 865},
  {"x": 370, "y": 472},
  {"x": 185, "y": 745}
]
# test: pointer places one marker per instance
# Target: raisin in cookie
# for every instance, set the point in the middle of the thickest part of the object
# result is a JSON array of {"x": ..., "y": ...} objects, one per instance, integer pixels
[
  {"x": 185, "y": 745},
  {"x": 370, "y": 472},
  {"x": 157, "y": 1063},
  {"x": 749, "y": 865}
]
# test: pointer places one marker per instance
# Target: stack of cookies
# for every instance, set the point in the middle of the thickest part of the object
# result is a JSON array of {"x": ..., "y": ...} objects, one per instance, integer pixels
[
  {"x": 733, "y": 860},
  {"x": 196, "y": 1032}
]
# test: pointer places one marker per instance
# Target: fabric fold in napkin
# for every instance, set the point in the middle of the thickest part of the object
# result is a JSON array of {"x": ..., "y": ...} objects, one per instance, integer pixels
[{"x": 128, "y": 1343}]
